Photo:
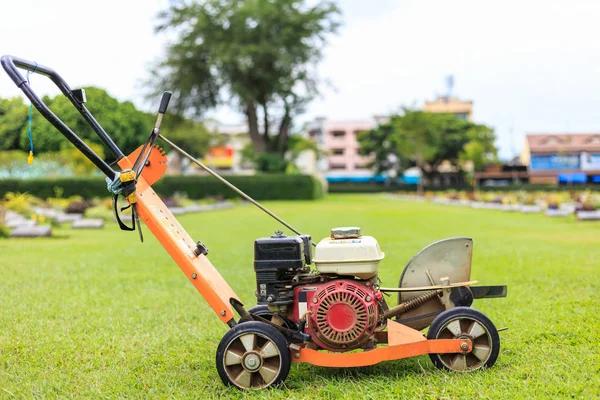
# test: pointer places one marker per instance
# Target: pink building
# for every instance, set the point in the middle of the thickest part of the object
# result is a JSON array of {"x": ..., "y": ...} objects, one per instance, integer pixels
[{"x": 338, "y": 139}]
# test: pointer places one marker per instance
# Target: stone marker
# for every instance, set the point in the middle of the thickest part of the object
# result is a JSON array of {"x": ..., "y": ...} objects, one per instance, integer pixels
[
  {"x": 35, "y": 231},
  {"x": 62, "y": 218},
  {"x": 530, "y": 209},
  {"x": 570, "y": 207},
  {"x": 492, "y": 206},
  {"x": 46, "y": 212},
  {"x": 20, "y": 222},
  {"x": 177, "y": 210},
  {"x": 558, "y": 213},
  {"x": 440, "y": 200},
  {"x": 194, "y": 208},
  {"x": 224, "y": 205},
  {"x": 588, "y": 215},
  {"x": 88, "y": 224},
  {"x": 8, "y": 214}
]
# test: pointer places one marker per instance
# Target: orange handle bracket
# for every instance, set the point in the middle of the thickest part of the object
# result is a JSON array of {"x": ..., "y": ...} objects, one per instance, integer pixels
[{"x": 178, "y": 243}]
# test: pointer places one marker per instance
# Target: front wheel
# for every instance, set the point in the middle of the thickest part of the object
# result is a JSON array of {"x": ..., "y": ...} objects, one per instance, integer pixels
[
  {"x": 461, "y": 323},
  {"x": 253, "y": 355}
]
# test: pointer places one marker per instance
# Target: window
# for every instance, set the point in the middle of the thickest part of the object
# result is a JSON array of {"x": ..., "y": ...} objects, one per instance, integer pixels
[
  {"x": 337, "y": 166},
  {"x": 360, "y": 166},
  {"x": 553, "y": 140},
  {"x": 337, "y": 152},
  {"x": 338, "y": 133},
  {"x": 594, "y": 140},
  {"x": 461, "y": 116}
]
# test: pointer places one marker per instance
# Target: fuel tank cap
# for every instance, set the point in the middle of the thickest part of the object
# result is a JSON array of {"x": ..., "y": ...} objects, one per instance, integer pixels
[{"x": 346, "y": 232}]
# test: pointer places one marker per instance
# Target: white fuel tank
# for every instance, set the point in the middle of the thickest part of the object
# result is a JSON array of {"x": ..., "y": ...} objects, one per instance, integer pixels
[{"x": 347, "y": 252}]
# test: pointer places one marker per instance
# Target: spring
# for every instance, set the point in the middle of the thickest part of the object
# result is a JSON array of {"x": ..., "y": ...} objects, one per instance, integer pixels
[{"x": 411, "y": 304}]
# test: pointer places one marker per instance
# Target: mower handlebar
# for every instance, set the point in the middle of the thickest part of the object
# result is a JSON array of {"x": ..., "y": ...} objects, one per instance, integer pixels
[
  {"x": 164, "y": 102},
  {"x": 12, "y": 64}
]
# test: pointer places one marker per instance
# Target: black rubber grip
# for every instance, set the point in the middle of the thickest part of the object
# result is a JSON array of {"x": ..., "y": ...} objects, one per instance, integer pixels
[{"x": 164, "y": 102}]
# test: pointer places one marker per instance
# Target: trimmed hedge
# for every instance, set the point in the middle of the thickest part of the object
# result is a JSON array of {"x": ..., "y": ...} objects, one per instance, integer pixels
[
  {"x": 378, "y": 187},
  {"x": 260, "y": 187}
]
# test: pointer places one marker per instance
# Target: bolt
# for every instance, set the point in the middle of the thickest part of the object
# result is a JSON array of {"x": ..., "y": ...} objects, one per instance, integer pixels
[
  {"x": 251, "y": 362},
  {"x": 270, "y": 299},
  {"x": 368, "y": 283},
  {"x": 223, "y": 312},
  {"x": 464, "y": 347},
  {"x": 315, "y": 300},
  {"x": 368, "y": 298},
  {"x": 467, "y": 245},
  {"x": 194, "y": 276},
  {"x": 296, "y": 355}
]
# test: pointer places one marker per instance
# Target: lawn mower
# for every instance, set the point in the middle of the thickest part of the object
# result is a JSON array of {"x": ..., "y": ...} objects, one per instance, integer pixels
[{"x": 318, "y": 303}]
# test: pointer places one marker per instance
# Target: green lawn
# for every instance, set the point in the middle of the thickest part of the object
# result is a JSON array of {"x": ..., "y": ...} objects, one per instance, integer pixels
[{"x": 96, "y": 314}]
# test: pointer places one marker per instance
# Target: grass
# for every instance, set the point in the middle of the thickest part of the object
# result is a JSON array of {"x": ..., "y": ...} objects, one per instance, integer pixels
[{"x": 99, "y": 315}]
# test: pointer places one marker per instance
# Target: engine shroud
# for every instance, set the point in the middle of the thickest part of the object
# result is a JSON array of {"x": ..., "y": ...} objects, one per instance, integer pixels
[{"x": 343, "y": 313}]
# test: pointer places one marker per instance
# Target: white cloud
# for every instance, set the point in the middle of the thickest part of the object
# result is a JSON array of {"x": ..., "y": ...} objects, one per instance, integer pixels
[{"x": 531, "y": 65}]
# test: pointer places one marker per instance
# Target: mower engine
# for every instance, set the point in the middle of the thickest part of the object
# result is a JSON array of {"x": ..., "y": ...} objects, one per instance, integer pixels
[{"x": 339, "y": 305}]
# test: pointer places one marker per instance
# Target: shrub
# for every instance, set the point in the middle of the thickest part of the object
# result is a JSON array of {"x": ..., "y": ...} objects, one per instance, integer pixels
[
  {"x": 99, "y": 212},
  {"x": 18, "y": 202},
  {"x": 260, "y": 187},
  {"x": 78, "y": 207},
  {"x": 4, "y": 232}
]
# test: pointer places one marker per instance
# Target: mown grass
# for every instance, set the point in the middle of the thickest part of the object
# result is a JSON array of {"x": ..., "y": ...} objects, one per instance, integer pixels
[{"x": 99, "y": 315}]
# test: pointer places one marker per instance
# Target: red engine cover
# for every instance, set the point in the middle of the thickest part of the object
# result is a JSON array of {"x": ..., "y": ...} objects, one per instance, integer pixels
[{"x": 343, "y": 313}]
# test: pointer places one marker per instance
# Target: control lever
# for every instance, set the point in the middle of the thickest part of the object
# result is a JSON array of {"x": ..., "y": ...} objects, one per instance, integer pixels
[
  {"x": 136, "y": 171},
  {"x": 140, "y": 163}
]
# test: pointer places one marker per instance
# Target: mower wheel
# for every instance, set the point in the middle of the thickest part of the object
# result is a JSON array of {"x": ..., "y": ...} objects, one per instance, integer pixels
[
  {"x": 264, "y": 312},
  {"x": 465, "y": 322},
  {"x": 253, "y": 355}
]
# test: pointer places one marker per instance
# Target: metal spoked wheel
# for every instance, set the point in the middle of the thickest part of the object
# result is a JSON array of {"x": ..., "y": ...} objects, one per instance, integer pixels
[
  {"x": 465, "y": 322},
  {"x": 253, "y": 355}
]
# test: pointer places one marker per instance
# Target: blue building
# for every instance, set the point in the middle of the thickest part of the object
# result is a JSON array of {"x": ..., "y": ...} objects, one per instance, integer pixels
[{"x": 562, "y": 158}]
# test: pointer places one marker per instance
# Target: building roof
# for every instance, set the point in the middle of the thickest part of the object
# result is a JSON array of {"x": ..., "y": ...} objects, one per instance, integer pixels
[{"x": 563, "y": 142}]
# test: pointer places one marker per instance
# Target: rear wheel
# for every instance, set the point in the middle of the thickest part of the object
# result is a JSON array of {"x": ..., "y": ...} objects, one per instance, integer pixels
[
  {"x": 253, "y": 355},
  {"x": 465, "y": 323}
]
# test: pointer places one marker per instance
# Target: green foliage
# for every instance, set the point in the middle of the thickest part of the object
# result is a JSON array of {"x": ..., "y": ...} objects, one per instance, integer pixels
[
  {"x": 18, "y": 202},
  {"x": 418, "y": 138},
  {"x": 121, "y": 120},
  {"x": 190, "y": 135},
  {"x": 258, "y": 54},
  {"x": 13, "y": 122},
  {"x": 474, "y": 151},
  {"x": 68, "y": 161},
  {"x": 99, "y": 212},
  {"x": 273, "y": 162},
  {"x": 127, "y": 126},
  {"x": 261, "y": 187},
  {"x": 4, "y": 232},
  {"x": 346, "y": 187}
]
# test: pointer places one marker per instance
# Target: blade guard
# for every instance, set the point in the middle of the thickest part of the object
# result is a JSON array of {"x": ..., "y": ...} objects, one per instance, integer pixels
[
  {"x": 446, "y": 258},
  {"x": 156, "y": 166}
]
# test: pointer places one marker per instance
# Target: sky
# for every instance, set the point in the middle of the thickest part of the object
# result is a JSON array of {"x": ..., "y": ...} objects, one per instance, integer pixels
[{"x": 528, "y": 66}]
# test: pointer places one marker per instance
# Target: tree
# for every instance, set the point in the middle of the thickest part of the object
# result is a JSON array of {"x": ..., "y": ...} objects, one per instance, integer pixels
[
  {"x": 13, "y": 121},
  {"x": 127, "y": 126},
  {"x": 259, "y": 55},
  {"x": 187, "y": 134},
  {"x": 425, "y": 140}
]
